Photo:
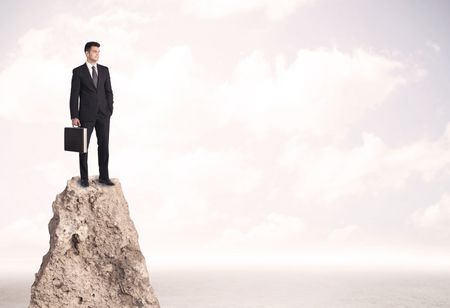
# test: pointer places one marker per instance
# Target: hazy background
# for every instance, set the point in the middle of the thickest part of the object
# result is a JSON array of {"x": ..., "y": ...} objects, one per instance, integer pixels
[{"x": 245, "y": 133}]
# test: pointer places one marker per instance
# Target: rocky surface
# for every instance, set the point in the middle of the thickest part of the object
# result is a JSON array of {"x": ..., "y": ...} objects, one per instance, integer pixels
[{"x": 94, "y": 258}]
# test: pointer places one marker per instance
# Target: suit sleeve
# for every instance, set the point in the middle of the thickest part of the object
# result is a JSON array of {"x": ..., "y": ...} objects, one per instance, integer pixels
[
  {"x": 74, "y": 94},
  {"x": 108, "y": 91}
]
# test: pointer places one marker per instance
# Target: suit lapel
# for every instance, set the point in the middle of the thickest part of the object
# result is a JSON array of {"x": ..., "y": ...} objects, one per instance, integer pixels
[{"x": 100, "y": 75}]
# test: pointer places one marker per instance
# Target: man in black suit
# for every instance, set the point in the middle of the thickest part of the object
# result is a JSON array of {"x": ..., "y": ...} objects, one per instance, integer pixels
[{"x": 92, "y": 84}]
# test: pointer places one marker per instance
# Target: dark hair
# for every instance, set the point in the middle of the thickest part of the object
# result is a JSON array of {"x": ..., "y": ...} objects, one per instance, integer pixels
[{"x": 88, "y": 45}]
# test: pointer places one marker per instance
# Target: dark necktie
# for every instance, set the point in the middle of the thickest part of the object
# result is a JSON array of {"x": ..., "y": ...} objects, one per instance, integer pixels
[{"x": 94, "y": 76}]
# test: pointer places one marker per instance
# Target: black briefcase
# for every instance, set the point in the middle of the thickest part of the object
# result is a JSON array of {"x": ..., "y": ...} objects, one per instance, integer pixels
[{"x": 75, "y": 139}]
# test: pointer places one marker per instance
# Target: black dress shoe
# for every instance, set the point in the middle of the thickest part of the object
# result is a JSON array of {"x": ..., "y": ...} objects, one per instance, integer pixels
[
  {"x": 106, "y": 181},
  {"x": 84, "y": 182}
]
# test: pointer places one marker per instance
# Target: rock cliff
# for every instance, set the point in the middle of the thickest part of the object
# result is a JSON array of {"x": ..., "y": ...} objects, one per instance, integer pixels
[{"x": 94, "y": 258}]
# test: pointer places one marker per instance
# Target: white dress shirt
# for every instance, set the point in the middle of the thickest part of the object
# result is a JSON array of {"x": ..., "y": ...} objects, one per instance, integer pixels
[{"x": 89, "y": 65}]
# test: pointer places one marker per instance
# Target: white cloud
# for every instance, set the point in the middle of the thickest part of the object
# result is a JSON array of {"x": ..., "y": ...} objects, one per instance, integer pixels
[
  {"x": 433, "y": 45},
  {"x": 232, "y": 122},
  {"x": 342, "y": 234},
  {"x": 221, "y": 8},
  {"x": 322, "y": 92},
  {"x": 274, "y": 231},
  {"x": 329, "y": 172},
  {"x": 434, "y": 216},
  {"x": 18, "y": 238}
]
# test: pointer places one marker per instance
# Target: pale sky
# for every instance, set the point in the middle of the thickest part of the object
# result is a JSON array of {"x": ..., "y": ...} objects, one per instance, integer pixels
[{"x": 291, "y": 132}]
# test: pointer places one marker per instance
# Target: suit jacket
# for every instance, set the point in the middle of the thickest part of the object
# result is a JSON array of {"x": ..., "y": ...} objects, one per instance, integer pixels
[{"x": 91, "y": 98}]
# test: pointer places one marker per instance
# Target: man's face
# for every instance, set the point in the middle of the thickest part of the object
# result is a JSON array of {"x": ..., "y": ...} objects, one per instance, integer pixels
[{"x": 93, "y": 54}]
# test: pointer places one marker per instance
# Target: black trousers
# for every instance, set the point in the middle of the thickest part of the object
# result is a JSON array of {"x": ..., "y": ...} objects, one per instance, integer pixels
[{"x": 101, "y": 125}]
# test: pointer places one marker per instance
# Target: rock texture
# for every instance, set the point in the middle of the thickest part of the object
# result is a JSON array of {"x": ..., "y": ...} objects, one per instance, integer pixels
[{"x": 94, "y": 258}]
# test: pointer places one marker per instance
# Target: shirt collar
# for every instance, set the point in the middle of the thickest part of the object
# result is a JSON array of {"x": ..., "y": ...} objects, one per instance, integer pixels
[{"x": 89, "y": 65}]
